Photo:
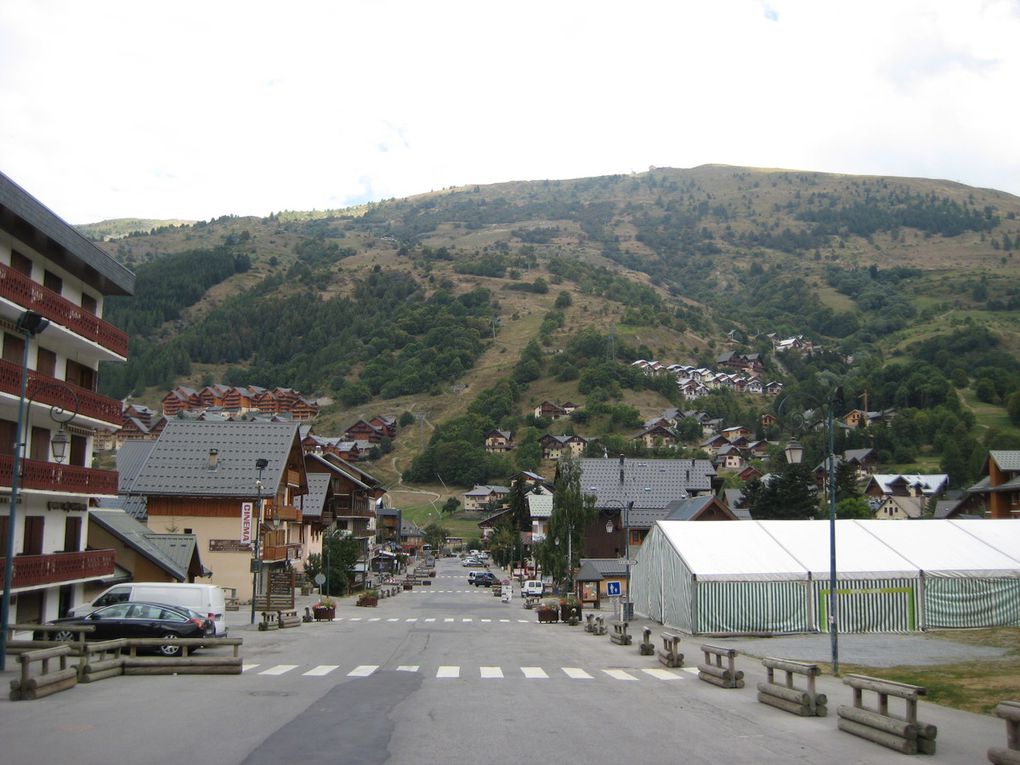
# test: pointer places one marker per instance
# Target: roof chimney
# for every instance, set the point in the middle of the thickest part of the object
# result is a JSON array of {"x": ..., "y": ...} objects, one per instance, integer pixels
[
  {"x": 621, "y": 468},
  {"x": 214, "y": 458}
]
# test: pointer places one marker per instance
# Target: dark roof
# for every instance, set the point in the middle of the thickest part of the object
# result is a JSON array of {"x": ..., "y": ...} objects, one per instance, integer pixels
[
  {"x": 171, "y": 552},
  {"x": 22, "y": 215},
  {"x": 313, "y": 502},
  {"x": 179, "y": 460},
  {"x": 594, "y": 569},
  {"x": 647, "y": 483}
]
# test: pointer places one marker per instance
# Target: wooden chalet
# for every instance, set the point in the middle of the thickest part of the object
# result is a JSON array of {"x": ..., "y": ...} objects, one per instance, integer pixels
[{"x": 497, "y": 441}]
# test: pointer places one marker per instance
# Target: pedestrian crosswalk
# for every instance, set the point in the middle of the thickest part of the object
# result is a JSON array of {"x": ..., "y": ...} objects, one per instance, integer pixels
[
  {"x": 429, "y": 620},
  {"x": 454, "y": 672}
]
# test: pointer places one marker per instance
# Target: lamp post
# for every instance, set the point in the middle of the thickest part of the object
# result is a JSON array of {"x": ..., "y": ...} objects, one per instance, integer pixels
[
  {"x": 794, "y": 454},
  {"x": 626, "y": 610},
  {"x": 256, "y": 564},
  {"x": 29, "y": 324}
]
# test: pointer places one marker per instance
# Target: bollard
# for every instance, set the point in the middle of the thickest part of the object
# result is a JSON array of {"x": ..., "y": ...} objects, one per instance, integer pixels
[
  {"x": 573, "y": 620},
  {"x": 647, "y": 648}
]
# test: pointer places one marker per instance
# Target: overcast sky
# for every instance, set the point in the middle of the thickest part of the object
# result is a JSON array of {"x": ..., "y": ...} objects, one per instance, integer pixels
[{"x": 200, "y": 109}]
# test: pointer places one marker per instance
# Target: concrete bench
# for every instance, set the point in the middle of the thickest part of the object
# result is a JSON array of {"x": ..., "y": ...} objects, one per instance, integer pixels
[
  {"x": 711, "y": 670},
  {"x": 589, "y": 623},
  {"x": 1010, "y": 712},
  {"x": 600, "y": 625},
  {"x": 288, "y": 619},
  {"x": 620, "y": 635},
  {"x": 904, "y": 733},
  {"x": 670, "y": 654},
  {"x": 269, "y": 621},
  {"x": 786, "y": 696}
]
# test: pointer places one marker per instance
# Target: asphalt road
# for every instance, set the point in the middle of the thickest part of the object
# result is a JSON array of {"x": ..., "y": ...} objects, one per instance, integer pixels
[{"x": 448, "y": 674}]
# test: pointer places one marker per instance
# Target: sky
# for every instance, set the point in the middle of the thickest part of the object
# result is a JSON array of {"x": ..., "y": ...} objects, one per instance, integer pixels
[{"x": 193, "y": 110}]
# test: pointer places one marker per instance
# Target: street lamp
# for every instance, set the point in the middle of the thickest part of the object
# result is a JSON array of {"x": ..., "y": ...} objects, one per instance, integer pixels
[
  {"x": 794, "y": 454},
  {"x": 256, "y": 565},
  {"x": 626, "y": 608},
  {"x": 29, "y": 324}
]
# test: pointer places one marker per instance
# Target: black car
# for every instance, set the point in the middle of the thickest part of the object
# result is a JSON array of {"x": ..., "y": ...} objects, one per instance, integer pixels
[
  {"x": 132, "y": 619},
  {"x": 484, "y": 579}
]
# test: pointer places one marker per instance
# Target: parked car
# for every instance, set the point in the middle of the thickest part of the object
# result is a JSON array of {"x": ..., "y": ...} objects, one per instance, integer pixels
[
  {"x": 473, "y": 562},
  {"x": 206, "y": 599},
  {"x": 532, "y": 588},
  {"x": 484, "y": 579},
  {"x": 133, "y": 619}
]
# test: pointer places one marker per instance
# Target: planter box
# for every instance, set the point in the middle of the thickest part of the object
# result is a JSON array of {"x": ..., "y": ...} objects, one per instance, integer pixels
[
  {"x": 565, "y": 611},
  {"x": 408, "y": 585},
  {"x": 548, "y": 615},
  {"x": 324, "y": 613},
  {"x": 368, "y": 602}
]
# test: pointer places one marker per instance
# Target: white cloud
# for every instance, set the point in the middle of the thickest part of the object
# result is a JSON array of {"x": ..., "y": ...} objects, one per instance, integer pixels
[{"x": 201, "y": 109}]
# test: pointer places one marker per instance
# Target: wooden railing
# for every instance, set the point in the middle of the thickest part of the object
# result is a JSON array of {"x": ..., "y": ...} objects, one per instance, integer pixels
[
  {"x": 288, "y": 551},
  {"x": 283, "y": 512},
  {"x": 33, "y": 570},
  {"x": 47, "y": 390},
  {"x": 64, "y": 479},
  {"x": 20, "y": 289}
]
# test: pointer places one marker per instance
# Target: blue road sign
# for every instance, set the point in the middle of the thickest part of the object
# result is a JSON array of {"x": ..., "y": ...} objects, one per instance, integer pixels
[{"x": 612, "y": 588}]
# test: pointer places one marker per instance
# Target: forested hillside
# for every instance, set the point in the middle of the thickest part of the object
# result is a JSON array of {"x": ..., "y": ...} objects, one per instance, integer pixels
[{"x": 552, "y": 288}]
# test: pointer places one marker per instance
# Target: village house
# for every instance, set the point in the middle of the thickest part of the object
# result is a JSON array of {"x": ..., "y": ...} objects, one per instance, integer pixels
[
  {"x": 497, "y": 441},
  {"x": 53, "y": 287},
  {"x": 999, "y": 488},
  {"x": 554, "y": 447},
  {"x": 550, "y": 411},
  {"x": 913, "y": 485},
  {"x": 483, "y": 497},
  {"x": 204, "y": 478},
  {"x": 899, "y": 508},
  {"x": 658, "y": 435}
]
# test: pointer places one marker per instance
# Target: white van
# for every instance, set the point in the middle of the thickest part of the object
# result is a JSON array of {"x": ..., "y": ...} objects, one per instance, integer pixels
[
  {"x": 206, "y": 599},
  {"x": 532, "y": 588}
]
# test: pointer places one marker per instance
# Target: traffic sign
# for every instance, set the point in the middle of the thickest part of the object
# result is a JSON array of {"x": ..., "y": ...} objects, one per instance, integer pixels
[
  {"x": 612, "y": 589},
  {"x": 320, "y": 579}
]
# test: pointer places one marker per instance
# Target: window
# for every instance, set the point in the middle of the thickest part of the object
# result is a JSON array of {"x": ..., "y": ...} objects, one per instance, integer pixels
[
  {"x": 72, "y": 533},
  {"x": 79, "y": 374},
  {"x": 144, "y": 611},
  {"x": 39, "y": 447},
  {"x": 14, "y": 349},
  {"x": 33, "y": 542},
  {"x": 8, "y": 435},
  {"x": 89, "y": 303},
  {"x": 52, "y": 282},
  {"x": 46, "y": 363},
  {"x": 3, "y": 534},
  {"x": 116, "y": 595},
  {"x": 21, "y": 263},
  {"x": 78, "y": 445},
  {"x": 116, "y": 611}
]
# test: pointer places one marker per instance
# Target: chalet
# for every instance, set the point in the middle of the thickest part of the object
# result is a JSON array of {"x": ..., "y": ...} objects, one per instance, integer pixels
[
  {"x": 692, "y": 389},
  {"x": 773, "y": 388},
  {"x": 178, "y": 399},
  {"x": 768, "y": 420},
  {"x": 238, "y": 399},
  {"x": 704, "y": 508},
  {"x": 999, "y": 488},
  {"x": 204, "y": 477},
  {"x": 483, "y": 496},
  {"x": 363, "y": 430},
  {"x": 729, "y": 457},
  {"x": 549, "y": 411},
  {"x": 713, "y": 444},
  {"x": 749, "y": 473},
  {"x": 350, "y": 500},
  {"x": 658, "y": 436},
  {"x": 388, "y": 425},
  {"x": 899, "y": 508},
  {"x": 570, "y": 407},
  {"x": 554, "y": 447},
  {"x": 497, "y": 441},
  {"x": 540, "y": 508},
  {"x": 758, "y": 449},
  {"x": 906, "y": 485},
  {"x": 736, "y": 432}
]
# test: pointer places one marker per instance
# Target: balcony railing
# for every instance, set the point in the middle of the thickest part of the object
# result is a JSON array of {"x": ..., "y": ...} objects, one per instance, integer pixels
[
  {"x": 289, "y": 551},
  {"x": 17, "y": 287},
  {"x": 57, "y": 478},
  {"x": 90, "y": 404},
  {"x": 283, "y": 512},
  {"x": 360, "y": 510},
  {"x": 34, "y": 570}
]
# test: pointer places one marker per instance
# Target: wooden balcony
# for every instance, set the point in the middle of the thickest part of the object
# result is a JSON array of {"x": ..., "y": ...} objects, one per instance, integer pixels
[
  {"x": 359, "y": 510},
  {"x": 273, "y": 553},
  {"x": 90, "y": 403},
  {"x": 20, "y": 289},
  {"x": 293, "y": 477},
  {"x": 55, "y": 568},
  {"x": 59, "y": 479},
  {"x": 283, "y": 513}
]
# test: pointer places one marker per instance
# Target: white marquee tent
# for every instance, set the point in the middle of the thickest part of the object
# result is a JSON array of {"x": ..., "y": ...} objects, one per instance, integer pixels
[{"x": 773, "y": 576}]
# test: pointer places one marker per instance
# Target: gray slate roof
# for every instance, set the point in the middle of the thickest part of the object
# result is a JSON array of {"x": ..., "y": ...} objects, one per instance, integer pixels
[
  {"x": 313, "y": 502},
  {"x": 685, "y": 509},
  {"x": 171, "y": 552},
  {"x": 648, "y": 483},
  {"x": 179, "y": 461},
  {"x": 1006, "y": 460},
  {"x": 594, "y": 569}
]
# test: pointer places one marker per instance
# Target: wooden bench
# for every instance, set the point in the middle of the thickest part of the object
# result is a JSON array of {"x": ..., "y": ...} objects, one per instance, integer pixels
[
  {"x": 1010, "y": 712},
  {"x": 231, "y": 603},
  {"x": 102, "y": 660},
  {"x": 620, "y": 635},
  {"x": 904, "y": 733},
  {"x": 600, "y": 625},
  {"x": 646, "y": 647},
  {"x": 670, "y": 654},
  {"x": 786, "y": 696},
  {"x": 42, "y": 680},
  {"x": 269, "y": 621},
  {"x": 711, "y": 670}
]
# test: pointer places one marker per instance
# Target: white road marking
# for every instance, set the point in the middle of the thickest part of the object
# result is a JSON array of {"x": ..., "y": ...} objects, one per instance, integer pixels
[
  {"x": 690, "y": 670},
  {"x": 576, "y": 673},
  {"x": 393, "y": 620},
  {"x": 246, "y": 667},
  {"x": 321, "y": 670},
  {"x": 534, "y": 673},
  {"x": 355, "y": 618},
  {"x": 279, "y": 669},
  {"x": 523, "y": 621},
  {"x": 662, "y": 674},
  {"x": 467, "y": 620},
  {"x": 618, "y": 674},
  {"x": 431, "y": 619},
  {"x": 375, "y": 618},
  {"x": 363, "y": 671},
  {"x": 504, "y": 621},
  {"x": 411, "y": 620},
  {"x": 492, "y": 673},
  {"x": 448, "y": 619},
  {"x": 407, "y": 668},
  {"x": 448, "y": 672},
  {"x": 486, "y": 620}
]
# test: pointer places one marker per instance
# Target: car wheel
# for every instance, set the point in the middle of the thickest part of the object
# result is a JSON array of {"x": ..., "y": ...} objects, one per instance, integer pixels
[
  {"x": 65, "y": 636},
  {"x": 170, "y": 649}
]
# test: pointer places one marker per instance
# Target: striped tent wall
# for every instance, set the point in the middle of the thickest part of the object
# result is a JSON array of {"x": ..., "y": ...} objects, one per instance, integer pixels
[
  {"x": 964, "y": 602},
  {"x": 753, "y": 606},
  {"x": 661, "y": 583},
  {"x": 868, "y": 605}
]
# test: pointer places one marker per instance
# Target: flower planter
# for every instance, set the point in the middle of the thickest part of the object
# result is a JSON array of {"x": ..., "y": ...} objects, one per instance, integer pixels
[
  {"x": 566, "y": 609},
  {"x": 408, "y": 585},
  {"x": 324, "y": 613},
  {"x": 548, "y": 615},
  {"x": 368, "y": 602}
]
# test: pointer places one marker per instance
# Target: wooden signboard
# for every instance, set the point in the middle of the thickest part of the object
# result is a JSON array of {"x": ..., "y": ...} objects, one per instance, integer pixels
[{"x": 229, "y": 545}]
